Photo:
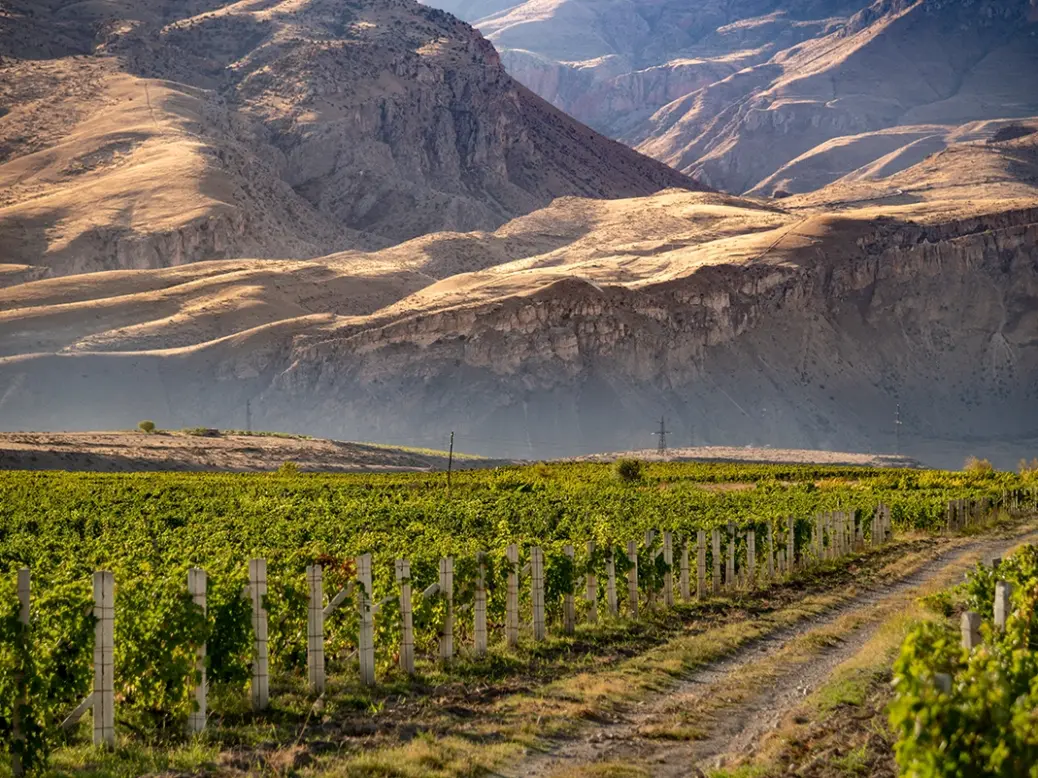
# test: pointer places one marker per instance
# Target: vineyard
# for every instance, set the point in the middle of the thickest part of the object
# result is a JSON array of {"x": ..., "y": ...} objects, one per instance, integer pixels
[{"x": 548, "y": 542}]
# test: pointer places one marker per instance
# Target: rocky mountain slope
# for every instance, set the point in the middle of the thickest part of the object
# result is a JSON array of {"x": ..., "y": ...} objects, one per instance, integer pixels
[
  {"x": 740, "y": 94},
  {"x": 800, "y": 323},
  {"x": 149, "y": 134}
]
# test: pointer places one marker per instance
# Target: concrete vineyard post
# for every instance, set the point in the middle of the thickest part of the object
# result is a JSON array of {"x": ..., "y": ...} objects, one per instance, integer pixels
[
  {"x": 20, "y": 701},
  {"x": 686, "y": 572},
  {"x": 771, "y": 551},
  {"x": 196, "y": 586},
  {"x": 366, "y": 637},
  {"x": 512, "y": 603},
  {"x": 700, "y": 564},
  {"x": 1003, "y": 591},
  {"x": 715, "y": 548},
  {"x": 632, "y": 579},
  {"x": 104, "y": 659},
  {"x": 592, "y": 585},
  {"x": 729, "y": 573},
  {"x": 569, "y": 607},
  {"x": 447, "y": 592},
  {"x": 751, "y": 559},
  {"x": 614, "y": 609},
  {"x": 537, "y": 591},
  {"x": 668, "y": 577},
  {"x": 480, "y": 606},
  {"x": 970, "y": 630},
  {"x": 315, "y": 629},
  {"x": 260, "y": 688},
  {"x": 403, "y": 579},
  {"x": 791, "y": 541}
]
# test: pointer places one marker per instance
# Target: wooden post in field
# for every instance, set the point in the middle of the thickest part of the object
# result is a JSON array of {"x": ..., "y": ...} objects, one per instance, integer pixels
[
  {"x": 685, "y": 583},
  {"x": 480, "y": 606},
  {"x": 715, "y": 548},
  {"x": 315, "y": 629},
  {"x": 196, "y": 586},
  {"x": 403, "y": 579},
  {"x": 592, "y": 585},
  {"x": 1003, "y": 591},
  {"x": 650, "y": 597},
  {"x": 447, "y": 592},
  {"x": 632, "y": 578},
  {"x": 859, "y": 532},
  {"x": 771, "y": 551},
  {"x": 260, "y": 687},
  {"x": 819, "y": 537},
  {"x": 970, "y": 630},
  {"x": 569, "y": 607},
  {"x": 668, "y": 577},
  {"x": 104, "y": 659},
  {"x": 751, "y": 559},
  {"x": 614, "y": 608},
  {"x": 512, "y": 603},
  {"x": 537, "y": 591},
  {"x": 791, "y": 544},
  {"x": 729, "y": 573},
  {"x": 780, "y": 562},
  {"x": 21, "y": 693},
  {"x": 700, "y": 564},
  {"x": 366, "y": 635}
]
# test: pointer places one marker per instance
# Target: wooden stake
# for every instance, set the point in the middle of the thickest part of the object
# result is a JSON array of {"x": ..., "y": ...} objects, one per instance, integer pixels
[
  {"x": 569, "y": 607},
  {"x": 196, "y": 587},
  {"x": 715, "y": 580},
  {"x": 614, "y": 608},
  {"x": 315, "y": 630},
  {"x": 700, "y": 564},
  {"x": 751, "y": 559},
  {"x": 104, "y": 659},
  {"x": 970, "y": 630},
  {"x": 1003, "y": 591},
  {"x": 403, "y": 578},
  {"x": 447, "y": 591},
  {"x": 480, "y": 607},
  {"x": 729, "y": 573},
  {"x": 668, "y": 577},
  {"x": 21, "y": 700},
  {"x": 632, "y": 579},
  {"x": 260, "y": 688},
  {"x": 366, "y": 637},
  {"x": 592, "y": 586},
  {"x": 512, "y": 604},
  {"x": 686, "y": 573},
  {"x": 537, "y": 591}
]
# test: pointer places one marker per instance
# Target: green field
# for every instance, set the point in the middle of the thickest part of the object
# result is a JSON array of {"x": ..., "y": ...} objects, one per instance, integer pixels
[{"x": 149, "y": 529}]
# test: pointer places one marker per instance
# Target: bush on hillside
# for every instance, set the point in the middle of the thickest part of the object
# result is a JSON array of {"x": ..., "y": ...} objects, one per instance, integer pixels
[
  {"x": 978, "y": 466},
  {"x": 629, "y": 470},
  {"x": 147, "y": 426}
]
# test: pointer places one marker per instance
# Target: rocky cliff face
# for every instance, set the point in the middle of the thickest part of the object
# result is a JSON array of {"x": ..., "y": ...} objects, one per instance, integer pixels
[{"x": 270, "y": 130}]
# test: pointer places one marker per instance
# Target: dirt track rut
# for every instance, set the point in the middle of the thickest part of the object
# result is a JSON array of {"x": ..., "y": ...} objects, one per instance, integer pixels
[{"x": 737, "y": 728}]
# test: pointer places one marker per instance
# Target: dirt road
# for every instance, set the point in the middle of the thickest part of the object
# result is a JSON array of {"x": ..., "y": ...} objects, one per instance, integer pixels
[{"x": 722, "y": 711}]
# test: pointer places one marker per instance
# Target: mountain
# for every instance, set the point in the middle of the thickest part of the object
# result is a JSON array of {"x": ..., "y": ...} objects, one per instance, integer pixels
[
  {"x": 150, "y": 134},
  {"x": 741, "y": 94},
  {"x": 800, "y": 322}
]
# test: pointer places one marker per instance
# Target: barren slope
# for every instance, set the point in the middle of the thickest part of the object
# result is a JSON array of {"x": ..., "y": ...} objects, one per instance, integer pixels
[
  {"x": 576, "y": 327},
  {"x": 149, "y": 134}
]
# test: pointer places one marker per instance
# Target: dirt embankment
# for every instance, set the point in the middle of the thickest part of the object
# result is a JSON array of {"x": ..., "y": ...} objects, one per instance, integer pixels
[{"x": 211, "y": 451}]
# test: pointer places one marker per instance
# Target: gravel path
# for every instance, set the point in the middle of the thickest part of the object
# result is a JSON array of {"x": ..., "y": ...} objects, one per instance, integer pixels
[{"x": 737, "y": 728}]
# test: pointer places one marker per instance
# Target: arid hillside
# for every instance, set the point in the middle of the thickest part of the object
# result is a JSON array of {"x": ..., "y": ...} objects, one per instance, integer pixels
[
  {"x": 149, "y": 134},
  {"x": 764, "y": 96},
  {"x": 798, "y": 323}
]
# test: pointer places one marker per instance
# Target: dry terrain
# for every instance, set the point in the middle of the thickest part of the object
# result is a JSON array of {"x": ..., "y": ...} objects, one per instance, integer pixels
[{"x": 167, "y": 450}]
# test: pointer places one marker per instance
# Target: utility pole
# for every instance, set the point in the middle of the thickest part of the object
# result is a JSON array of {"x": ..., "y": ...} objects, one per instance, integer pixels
[
  {"x": 897, "y": 430},
  {"x": 450, "y": 462},
  {"x": 661, "y": 448},
  {"x": 248, "y": 415}
]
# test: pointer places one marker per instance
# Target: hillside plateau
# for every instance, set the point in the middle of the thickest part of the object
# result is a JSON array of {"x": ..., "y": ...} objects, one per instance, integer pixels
[{"x": 798, "y": 323}]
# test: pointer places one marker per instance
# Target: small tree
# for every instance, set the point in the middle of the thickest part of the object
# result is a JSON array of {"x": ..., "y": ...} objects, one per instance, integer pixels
[
  {"x": 146, "y": 426},
  {"x": 629, "y": 470},
  {"x": 977, "y": 466}
]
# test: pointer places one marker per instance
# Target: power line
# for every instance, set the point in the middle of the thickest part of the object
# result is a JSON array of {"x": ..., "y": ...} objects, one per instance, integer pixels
[{"x": 661, "y": 448}]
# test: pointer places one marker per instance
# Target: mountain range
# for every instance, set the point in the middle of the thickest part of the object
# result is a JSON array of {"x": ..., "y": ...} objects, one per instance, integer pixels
[{"x": 349, "y": 218}]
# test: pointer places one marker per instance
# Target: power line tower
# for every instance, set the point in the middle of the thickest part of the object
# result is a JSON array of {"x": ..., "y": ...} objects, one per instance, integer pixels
[
  {"x": 897, "y": 429},
  {"x": 661, "y": 448}
]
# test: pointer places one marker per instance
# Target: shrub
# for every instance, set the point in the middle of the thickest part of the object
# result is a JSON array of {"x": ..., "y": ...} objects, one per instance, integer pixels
[
  {"x": 978, "y": 466},
  {"x": 629, "y": 470},
  {"x": 146, "y": 426},
  {"x": 1028, "y": 470},
  {"x": 288, "y": 468}
]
